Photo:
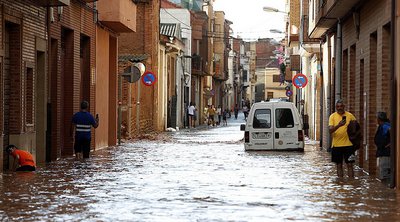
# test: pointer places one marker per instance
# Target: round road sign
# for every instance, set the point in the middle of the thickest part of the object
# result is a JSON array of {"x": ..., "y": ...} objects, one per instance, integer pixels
[
  {"x": 300, "y": 80},
  {"x": 148, "y": 78},
  {"x": 289, "y": 93}
]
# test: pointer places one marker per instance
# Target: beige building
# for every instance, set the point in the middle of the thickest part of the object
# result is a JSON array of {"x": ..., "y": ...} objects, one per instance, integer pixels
[{"x": 273, "y": 87}]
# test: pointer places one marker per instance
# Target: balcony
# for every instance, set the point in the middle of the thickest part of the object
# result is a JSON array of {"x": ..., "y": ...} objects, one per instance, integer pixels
[
  {"x": 51, "y": 3},
  {"x": 199, "y": 66},
  {"x": 219, "y": 73},
  {"x": 311, "y": 45},
  {"x": 329, "y": 13},
  {"x": 118, "y": 15}
]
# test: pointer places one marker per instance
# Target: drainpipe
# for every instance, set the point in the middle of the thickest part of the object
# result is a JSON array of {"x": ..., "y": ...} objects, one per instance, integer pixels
[
  {"x": 321, "y": 100},
  {"x": 338, "y": 73},
  {"x": 328, "y": 87},
  {"x": 138, "y": 108},
  {"x": 119, "y": 120},
  {"x": 393, "y": 103}
]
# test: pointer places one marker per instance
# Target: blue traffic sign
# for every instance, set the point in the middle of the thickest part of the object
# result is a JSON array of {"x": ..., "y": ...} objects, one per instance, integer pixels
[
  {"x": 149, "y": 79},
  {"x": 300, "y": 80},
  {"x": 289, "y": 93}
]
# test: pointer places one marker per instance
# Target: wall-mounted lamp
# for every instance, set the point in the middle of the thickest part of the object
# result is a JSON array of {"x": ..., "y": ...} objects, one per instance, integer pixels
[
  {"x": 271, "y": 9},
  {"x": 186, "y": 78},
  {"x": 356, "y": 19},
  {"x": 59, "y": 12},
  {"x": 51, "y": 14}
]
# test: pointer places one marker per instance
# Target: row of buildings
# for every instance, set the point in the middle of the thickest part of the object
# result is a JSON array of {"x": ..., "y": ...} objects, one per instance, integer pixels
[
  {"x": 56, "y": 53},
  {"x": 348, "y": 49}
]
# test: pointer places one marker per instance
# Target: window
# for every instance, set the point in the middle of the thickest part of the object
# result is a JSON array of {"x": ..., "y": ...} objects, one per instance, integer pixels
[
  {"x": 270, "y": 95},
  {"x": 284, "y": 118},
  {"x": 276, "y": 78},
  {"x": 262, "y": 118},
  {"x": 29, "y": 95}
]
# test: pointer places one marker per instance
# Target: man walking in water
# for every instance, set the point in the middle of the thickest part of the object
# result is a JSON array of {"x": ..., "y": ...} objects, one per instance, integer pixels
[
  {"x": 342, "y": 148},
  {"x": 82, "y": 123}
]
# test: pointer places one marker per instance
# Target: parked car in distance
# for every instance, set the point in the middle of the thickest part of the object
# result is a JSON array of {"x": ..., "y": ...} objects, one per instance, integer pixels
[{"x": 273, "y": 126}]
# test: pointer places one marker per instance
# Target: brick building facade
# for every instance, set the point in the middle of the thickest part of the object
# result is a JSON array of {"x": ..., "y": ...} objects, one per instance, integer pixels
[
  {"x": 143, "y": 45},
  {"x": 353, "y": 63},
  {"x": 22, "y": 69},
  {"x": 72, "y": 44},
  {"x": 366, "y": 71}
]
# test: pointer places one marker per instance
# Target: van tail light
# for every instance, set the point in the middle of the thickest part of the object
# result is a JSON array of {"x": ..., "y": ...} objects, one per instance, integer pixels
[
  {"x": 300, "y": 135},
  {"x": 246, "y": 136}
]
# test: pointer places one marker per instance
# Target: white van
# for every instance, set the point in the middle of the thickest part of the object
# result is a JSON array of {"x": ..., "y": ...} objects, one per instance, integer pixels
[{"x": 273, "y": 126}]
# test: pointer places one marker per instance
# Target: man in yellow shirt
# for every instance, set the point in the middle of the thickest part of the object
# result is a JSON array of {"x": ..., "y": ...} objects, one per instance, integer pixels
[{"x": 342, "y": 148}]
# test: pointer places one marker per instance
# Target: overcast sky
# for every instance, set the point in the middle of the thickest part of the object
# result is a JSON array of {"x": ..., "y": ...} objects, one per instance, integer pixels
[{"x": 249, "y": 19}]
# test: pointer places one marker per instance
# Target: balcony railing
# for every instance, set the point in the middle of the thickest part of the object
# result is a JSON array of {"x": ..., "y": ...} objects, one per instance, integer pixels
[
  {"x": 328, "y": 13},
  {"x": 199, "y": 66}
]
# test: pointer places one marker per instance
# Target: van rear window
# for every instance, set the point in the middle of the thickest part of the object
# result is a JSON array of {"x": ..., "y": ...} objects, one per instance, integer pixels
[
  {"x": 262, "y": 118},
  {"x": 284, "y": 118}
]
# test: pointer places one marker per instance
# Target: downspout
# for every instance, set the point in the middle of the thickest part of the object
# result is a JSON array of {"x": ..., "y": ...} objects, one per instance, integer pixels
[
  {"x": 321, "y": 99},
  {"x": 328, "y": 87},
  {"x": 393, "y": 103},
  {"x": 338, "y": 67}
]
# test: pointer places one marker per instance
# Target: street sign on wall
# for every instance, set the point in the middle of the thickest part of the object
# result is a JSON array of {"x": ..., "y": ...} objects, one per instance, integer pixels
[
  {"x": 300, "y": 80},
  {"x": 148, "y": 79}
]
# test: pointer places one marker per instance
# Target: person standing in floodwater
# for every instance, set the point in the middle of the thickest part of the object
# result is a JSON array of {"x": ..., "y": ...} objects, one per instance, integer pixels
[
  {"x": 82, "y": 123},
  {"x": 342, "y": 148},
  {"x": 192, "y": 113},
  {"x": 236, "y": 110}
]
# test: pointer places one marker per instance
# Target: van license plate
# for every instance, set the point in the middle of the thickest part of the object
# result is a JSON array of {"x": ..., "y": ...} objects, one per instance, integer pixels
[{"x": 261, "y": 135}]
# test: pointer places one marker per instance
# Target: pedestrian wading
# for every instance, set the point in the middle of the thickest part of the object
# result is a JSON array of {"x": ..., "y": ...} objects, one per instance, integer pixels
[
  {"x": 82, "y": 123},
  {"x": 342, "y": 147}
]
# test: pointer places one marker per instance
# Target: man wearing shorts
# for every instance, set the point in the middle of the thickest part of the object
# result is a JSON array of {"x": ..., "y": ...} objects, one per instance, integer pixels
[
  {"x": 342, "y": 148},
  {"x": 191, "y": 113},
  {"x": 82, "y": 123}
]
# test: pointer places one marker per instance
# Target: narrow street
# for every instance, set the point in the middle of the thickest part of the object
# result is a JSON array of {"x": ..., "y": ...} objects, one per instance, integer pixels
[{"x": 198, "y": 175}]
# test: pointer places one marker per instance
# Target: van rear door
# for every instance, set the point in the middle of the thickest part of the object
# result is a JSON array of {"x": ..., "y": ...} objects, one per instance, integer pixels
[
  {"x": 261, "y": 136},
  {"x": 286, "y": 129}
]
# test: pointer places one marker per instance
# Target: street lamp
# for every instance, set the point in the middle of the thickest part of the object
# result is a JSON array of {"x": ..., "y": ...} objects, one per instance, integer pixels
[
  {"x": 276, "y": 31},
  {"x": 271, "y": 9}
]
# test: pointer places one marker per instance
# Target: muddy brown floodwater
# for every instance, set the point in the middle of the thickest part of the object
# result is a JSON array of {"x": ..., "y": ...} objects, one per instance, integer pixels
[{"x": 198, "y": 175}]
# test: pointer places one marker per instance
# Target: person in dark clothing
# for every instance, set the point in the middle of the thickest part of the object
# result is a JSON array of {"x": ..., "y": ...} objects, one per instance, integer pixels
[
  {"x": 82, "y": 123},
  {"x": 382, "y": 135},
  {"x": 236, "y": 110}
]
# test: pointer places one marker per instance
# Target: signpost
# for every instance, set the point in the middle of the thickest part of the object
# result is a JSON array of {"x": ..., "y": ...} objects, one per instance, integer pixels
[
  {"x": 300, "y": 80},
  {"x": 289, "y": 93},
  {"x": 148, "y": 79}
]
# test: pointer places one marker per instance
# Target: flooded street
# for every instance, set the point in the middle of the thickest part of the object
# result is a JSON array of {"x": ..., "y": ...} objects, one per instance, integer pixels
[{"x": 198, "y": 175}]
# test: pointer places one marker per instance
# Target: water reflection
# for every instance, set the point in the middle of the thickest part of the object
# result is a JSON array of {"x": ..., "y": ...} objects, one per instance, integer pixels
[{"x": 197, "y": 176}]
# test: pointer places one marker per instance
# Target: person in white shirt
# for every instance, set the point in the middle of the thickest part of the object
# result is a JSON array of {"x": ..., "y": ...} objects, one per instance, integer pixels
[
  {"x": 219, "y": 113},
  {"x": 191, "y": 113}
]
